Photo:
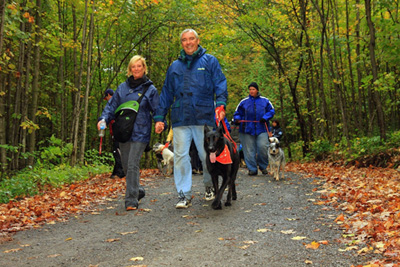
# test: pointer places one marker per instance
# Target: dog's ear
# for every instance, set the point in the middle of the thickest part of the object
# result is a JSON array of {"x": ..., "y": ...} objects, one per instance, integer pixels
[
  {"x": 206, "y": 129},
  {"x": 221, "y": 129}
]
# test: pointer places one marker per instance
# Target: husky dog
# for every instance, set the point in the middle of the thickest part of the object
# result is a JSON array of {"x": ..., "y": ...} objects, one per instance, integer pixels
[
  {"x": 164, "y": 157},
  {"x": 276, "y": 158},
  {"x": 222, "y": 159}
]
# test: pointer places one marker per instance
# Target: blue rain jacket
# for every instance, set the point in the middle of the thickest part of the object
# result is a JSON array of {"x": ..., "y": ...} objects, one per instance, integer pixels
[
  {"x": 252, "y": 109},
  {"x": 142, "y": 127},
  {"x": 194, "y": 86}
]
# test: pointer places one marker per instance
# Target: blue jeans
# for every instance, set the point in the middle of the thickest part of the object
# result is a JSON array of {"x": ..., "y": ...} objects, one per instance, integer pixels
[
  {"x": 183, "y": 136},
  {"x": 255, "y": 150},
  {"x": 131, "y": 152}
]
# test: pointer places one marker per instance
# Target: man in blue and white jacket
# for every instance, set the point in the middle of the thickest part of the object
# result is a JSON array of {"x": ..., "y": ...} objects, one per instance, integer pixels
[{"x": 192, "y": 84}]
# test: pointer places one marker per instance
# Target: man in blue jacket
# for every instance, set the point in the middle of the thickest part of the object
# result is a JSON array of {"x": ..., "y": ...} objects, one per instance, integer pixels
[{"x": 191, "y": 84}]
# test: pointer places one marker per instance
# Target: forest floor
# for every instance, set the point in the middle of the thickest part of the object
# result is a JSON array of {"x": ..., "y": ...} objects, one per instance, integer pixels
[{"x": 301, "y": 220}]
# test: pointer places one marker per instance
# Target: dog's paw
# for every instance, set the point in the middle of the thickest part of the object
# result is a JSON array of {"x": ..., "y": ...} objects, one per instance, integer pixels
[
  {"x": 216, "y": 205},
  {"x": 234, "y": 196}
]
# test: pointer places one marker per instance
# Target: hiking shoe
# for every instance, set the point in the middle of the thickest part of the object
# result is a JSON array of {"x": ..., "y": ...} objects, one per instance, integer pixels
[
  {"x": 265, "y": 172},
  {"x": 209, "y": 195},
  {"x": 252, "y": 173},
  {"x": 183, "y": 203},
  {"x": 142, "y": 193}
]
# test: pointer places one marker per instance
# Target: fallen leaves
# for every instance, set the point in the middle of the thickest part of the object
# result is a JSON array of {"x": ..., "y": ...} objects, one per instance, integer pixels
[
  {"x": 368, "y": 199},
  {"x": 58, "y": 204}
]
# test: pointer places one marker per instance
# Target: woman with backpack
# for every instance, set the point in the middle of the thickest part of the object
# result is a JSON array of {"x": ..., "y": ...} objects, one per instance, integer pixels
[{"x": 138, "y": 135}]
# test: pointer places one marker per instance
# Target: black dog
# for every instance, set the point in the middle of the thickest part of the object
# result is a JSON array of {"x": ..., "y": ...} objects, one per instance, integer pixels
[{"x": 217, "y": 145}]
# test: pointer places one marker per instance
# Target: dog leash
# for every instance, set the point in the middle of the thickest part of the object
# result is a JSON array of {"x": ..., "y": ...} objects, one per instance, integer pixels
[
  {"x": 227, "y": 134},
  {"x": 266, "y": 126}
]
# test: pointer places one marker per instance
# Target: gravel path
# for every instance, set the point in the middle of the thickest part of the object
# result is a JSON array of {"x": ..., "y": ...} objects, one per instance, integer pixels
[{"x": 257, "y": 230}]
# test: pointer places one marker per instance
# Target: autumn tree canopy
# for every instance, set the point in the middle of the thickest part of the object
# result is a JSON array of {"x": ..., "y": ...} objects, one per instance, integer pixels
[{"x": 328, "y": 66}]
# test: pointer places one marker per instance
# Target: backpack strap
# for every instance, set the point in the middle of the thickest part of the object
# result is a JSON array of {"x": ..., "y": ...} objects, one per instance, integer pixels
[{"x": 146, "y": 87}]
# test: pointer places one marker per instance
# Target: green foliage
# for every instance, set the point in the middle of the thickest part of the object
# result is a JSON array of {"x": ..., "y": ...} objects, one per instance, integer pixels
[
  {"x": 53, "y": 170},
  {"x": 58, "y": 152}
]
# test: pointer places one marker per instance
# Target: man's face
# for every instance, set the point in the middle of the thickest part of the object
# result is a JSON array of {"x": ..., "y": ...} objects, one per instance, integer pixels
[
  {"x": 189, "y": 43},
  {"x": 108, "y": 97}
]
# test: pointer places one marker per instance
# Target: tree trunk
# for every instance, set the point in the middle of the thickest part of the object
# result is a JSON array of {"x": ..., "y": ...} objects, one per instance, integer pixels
[
  {"x": 77, "y": 107},
  {"x": 3, "y": 153},
  {"x": 86, "y": 98},
  {"x": 374, "y": 68},
  {"x": 324, "y": 106},
  {"x": 36, "y": 76},
  {"x": 360, "y": 92}
]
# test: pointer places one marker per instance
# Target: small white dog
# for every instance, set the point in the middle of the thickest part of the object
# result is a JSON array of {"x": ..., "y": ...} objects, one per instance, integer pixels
[
  {"x": 164, "y": 156},
  {"x": 276, "y": 158}
]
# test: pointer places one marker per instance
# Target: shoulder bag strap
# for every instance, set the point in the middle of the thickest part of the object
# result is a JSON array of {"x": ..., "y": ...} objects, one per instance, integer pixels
[{"x": 144, "y": 92}]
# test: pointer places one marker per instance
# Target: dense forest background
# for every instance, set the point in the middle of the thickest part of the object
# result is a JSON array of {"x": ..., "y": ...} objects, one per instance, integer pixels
[{"x": 330, "y": 67}]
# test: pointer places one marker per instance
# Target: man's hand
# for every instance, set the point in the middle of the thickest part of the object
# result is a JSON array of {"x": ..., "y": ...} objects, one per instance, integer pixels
[
  {"x": 263, "y": 120},
  {"x": 220, "y": 112},
  {"x": 159, "y": 127}
]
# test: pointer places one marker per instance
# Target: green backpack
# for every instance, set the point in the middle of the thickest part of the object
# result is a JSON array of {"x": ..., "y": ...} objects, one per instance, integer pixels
[{"x": 125, "y": 116}]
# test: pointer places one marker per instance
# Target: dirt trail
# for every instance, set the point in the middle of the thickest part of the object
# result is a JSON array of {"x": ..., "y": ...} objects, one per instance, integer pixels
[{"x": 257, "y": 230}]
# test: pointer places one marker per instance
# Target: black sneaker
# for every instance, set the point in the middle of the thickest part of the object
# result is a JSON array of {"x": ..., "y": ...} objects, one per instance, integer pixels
[
  {"x": 142, "y": 193},
  {"x": 265, "y": 172},
  {"x": 251, "y": 173}
]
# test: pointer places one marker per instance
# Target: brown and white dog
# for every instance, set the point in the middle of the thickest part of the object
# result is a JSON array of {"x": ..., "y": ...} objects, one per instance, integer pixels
[
  {"x": 165, "y": 157},
  {"x": 276, "y": 158}
]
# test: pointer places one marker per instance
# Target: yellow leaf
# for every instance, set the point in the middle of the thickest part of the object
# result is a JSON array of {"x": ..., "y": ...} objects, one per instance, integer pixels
[
  {"x": 250, "y": 242},
  {"x": 299, "y": 238},
  {"x": 12, "y": 250},
  {"x": 263, "y": 230},
  {"x": 63, "y": 194},
  {"x": 308, "y": 262},
  {"x": 136, "y": 259},
  {"x": 313, "y": 245},
  {"x": 288, "y": 232},
  {"x": 127, "y": 233},
  {"x": 198, "y": 231},
  {"x": 53, "y": 256},
  {"x": 68, "y": 239},
  {"x": 221, "y": 238}
]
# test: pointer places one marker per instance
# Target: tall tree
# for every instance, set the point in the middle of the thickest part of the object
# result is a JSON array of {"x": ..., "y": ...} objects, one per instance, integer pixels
[
  {"x": 374, "y": 68},
  {"x": 36, "y": 76}
]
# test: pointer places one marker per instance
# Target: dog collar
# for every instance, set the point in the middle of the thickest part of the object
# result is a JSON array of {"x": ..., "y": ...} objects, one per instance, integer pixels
[
  {"x": 166, "y": 146},
  {"x": 225, "y": 156}
]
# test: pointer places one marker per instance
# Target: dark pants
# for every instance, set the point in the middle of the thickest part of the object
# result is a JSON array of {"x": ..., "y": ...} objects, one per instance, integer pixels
[
  {"x": 118, "y": 170},
  {"x": 194, "y": 158}
]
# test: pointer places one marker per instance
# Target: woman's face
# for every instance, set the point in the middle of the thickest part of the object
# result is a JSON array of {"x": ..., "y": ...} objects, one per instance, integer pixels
[
  {"x": 138, "y": 69},
  {"x": 253, "y": 91}
]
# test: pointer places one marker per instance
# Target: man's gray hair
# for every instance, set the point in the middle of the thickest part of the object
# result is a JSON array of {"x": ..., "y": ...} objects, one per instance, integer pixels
[{"x": 189, "y": 30}]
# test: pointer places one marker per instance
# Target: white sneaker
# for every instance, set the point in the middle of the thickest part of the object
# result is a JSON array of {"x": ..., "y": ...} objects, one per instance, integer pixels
[
  {"x": 209, "y": 195},
  {"x": 183, "y": 203}
]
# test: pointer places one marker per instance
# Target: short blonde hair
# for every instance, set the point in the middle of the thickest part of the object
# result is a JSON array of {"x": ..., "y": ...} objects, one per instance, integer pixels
[{"x": 133, "y": 60}]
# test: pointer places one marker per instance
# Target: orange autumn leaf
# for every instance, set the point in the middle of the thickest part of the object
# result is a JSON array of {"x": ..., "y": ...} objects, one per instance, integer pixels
[
  {"x": 340, "y": 218},
  {"x": 313, "y": 245}
]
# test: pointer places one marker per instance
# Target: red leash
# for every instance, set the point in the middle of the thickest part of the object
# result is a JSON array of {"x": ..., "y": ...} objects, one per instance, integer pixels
[
  {"x": 266, "y": 126},
  {"x": 227, "y": 134}
]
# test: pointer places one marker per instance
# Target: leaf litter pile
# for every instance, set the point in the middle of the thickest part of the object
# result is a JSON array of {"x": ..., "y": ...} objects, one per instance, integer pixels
[
  {"x": 368, "y": 198},
  {"x": 58, "y": 204},
  {"x": 369, "y": 201}
]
